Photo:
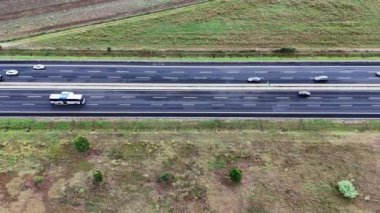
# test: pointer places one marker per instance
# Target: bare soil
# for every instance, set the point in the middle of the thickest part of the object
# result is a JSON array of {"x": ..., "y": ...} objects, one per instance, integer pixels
[{"x": 20, "y": 18}]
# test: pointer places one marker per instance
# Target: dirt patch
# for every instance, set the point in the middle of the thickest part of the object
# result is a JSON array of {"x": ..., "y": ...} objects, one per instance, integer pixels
[{"x": 19, "y": 19}]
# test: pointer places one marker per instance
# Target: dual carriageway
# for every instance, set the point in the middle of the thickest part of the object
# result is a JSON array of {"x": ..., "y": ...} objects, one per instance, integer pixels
[{"x": 193, "y": 90}]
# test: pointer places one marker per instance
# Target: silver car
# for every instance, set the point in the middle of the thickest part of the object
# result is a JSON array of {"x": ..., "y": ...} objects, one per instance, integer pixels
[
  {"x": 254, "y": 80},
  {"x": 39, "y": 67},
  {"x": 11, "y": 72},
  {"x": 321, "y": 79},
  {"x": 304, "y": 94}
]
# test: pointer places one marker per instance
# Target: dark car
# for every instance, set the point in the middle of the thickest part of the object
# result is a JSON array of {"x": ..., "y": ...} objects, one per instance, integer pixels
[
  {"x": 321, "y": 79},
  {"x": 1, "y": 78},
  {"x": 254, "y": 80},
  {"x": 304, "y": 94},
  {"x": 377, "y": 74}
]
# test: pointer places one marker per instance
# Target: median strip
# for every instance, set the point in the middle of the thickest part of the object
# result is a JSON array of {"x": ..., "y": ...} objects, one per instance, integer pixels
[{"x": 189, "y": 87}]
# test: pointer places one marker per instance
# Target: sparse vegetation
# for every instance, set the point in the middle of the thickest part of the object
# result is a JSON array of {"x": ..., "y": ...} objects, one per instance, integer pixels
[
  {"x": 347, "y": 189},
  {"x": 39, "y": 179},
  {"x": 236, "y": 175},
  {"x": 81, "y": 144},
  {"x": 291, "y": 165}
]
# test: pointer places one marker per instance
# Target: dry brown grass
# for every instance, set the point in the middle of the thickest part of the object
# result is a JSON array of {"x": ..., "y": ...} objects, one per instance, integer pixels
[
  {"x": 287, "y": 168},
  {"x": 20, "y": 18}
]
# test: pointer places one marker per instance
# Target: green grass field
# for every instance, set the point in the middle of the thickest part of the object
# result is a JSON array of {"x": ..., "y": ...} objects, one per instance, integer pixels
[
  {"x": 288, "y": 166},
  {"x": 232, "y": 25}
]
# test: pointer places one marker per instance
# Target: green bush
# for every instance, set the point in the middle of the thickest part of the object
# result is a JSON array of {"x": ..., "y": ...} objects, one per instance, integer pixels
[
  {"x": 347, "y": 189},
  {"x": 165, "y": 177},
  {"x": 98, "y": 176},
  {"x": 236, "y": 175},
  {"x": 39, "y": 179},
  {"x": 81, "y": 144},
  {"x": 286, "y": 50}
]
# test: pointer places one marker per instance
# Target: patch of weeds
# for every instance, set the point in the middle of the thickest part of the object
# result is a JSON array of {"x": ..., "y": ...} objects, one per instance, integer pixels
[
  {"x": 138, "y": 150},
  {"x": 83, "y": 166},
  {"x": 12, "y": 161},
  {"x": 38, "y": 179},
  {"x": 116, "y": 153},
  {"x": 218, "y": 163},
  {"x": 92, "y": 206}
]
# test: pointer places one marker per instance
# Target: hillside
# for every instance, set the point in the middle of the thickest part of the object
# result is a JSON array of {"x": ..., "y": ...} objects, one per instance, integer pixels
[
  {"x": 289, "y": 166},
  {"x": 233, "y": 25},
  {"x": 19, "y": 18}
]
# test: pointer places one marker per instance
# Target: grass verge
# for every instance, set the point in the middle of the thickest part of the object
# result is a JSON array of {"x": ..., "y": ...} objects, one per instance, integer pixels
[{"x": 184, "y": 58}]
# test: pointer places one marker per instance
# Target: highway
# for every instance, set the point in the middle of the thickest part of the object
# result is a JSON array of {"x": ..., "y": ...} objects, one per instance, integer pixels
[
  {"x": 196, "y": 104},
  {"x": 193, "y": 89},
  {"x": 126, "y": 73}
]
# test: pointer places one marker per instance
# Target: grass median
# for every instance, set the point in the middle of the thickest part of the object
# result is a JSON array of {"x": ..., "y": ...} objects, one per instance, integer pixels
[{"x": 155, "y": 165}]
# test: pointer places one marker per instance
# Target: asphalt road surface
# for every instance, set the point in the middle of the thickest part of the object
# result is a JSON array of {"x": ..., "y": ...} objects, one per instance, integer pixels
[
  {"x": 119, "y": 73},
  {"x": 195, "y": 104}
]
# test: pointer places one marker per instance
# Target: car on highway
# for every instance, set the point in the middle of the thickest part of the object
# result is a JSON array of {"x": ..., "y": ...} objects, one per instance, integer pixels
[
  {"x": 11, "y": 72},
  {"x": 1, "y": 78},
  {"x": 39, "y": 67},
  {"x": 254, "y": 80},
  {"x": 321, "y": 79},
  {"x": 377, "y": 74},
  {"x": 304, "y": 93}
]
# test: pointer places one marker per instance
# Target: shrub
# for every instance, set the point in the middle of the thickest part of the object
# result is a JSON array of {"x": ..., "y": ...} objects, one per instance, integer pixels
[
  {"x": 236, "y": 175},
  {"x": 109, "y": 49},
  {"x": 347, "y": 189},
  {"x": 38, "y": 179},
  {"x": 286, "y": 50},
  {"x": 165, "y": 177},
  {"x": 98, "y": 176},
  {"x": 81, "y": 144}
]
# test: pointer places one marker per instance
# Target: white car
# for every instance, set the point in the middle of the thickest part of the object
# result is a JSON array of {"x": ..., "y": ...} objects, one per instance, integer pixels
[
  {"x": 39, "y": 67},
  {"x": 254, "y": 80},
  {"x": 11, "y": 72},
  {"x": 304, "y": 94}
]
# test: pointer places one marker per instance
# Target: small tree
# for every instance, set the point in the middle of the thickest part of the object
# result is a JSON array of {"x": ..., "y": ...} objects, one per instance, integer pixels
[
  {"x": 98, "y": 176},
  {"x": 165, "y": 177},
  {"x": 236, "y": 175},
  {"x": 81, "y": 144},
  {"x": 347, "y": 189}
]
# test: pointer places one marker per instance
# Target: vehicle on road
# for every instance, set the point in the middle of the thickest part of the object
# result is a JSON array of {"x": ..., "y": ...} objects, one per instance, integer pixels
[
  {"x": 254, "y": 80},
  {"x": 321, "y": 79},
  {"x": 304, "y": 94},
  {"x": 1, "y": 78},
  {"x": 67, "y": 98},
  {"x": 377, "y": 74},
  {"x": 11, "y": 72},
  {"x": 39, "y": 67}
]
